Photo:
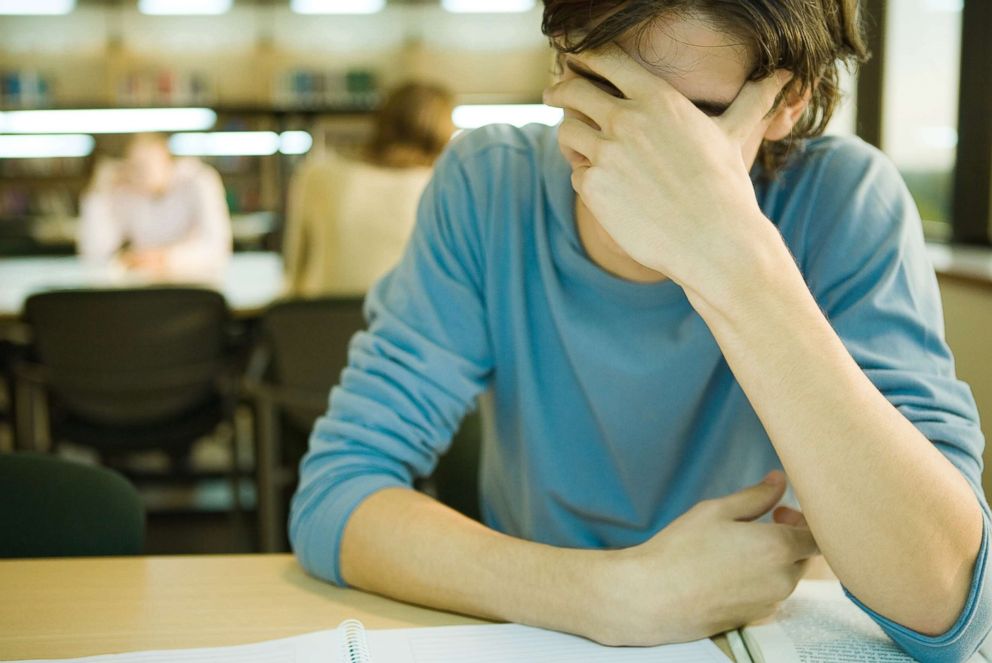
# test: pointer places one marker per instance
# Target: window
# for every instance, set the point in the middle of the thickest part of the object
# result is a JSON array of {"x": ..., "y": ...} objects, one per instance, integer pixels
[{"x": 920, "y": 102}]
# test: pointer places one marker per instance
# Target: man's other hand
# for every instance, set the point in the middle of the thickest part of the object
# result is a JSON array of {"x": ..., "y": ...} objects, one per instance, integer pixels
[{"x": 711, "y": 570}]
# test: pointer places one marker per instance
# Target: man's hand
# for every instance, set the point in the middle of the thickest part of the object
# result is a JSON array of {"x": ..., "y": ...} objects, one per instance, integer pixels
[
  {"x": 711, "y": 570},
  {"x": 151, "y": 261},
  {"x": 667, "y": 182}
]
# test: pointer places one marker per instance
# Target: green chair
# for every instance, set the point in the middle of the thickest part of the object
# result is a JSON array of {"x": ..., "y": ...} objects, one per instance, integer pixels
[{"x": 51, "y": 507}]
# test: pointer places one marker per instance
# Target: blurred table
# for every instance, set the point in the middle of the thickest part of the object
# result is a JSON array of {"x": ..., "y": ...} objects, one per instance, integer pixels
[
  {"x": 254, "y": 279},
  {"x": 78, "y": 607},
  {"x": 969, "y": 264},
  {"x": 249, "y": 284}
]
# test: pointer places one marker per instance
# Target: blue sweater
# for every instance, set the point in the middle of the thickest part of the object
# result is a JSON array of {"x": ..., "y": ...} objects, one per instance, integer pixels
[{"x": 609, "y": 407}]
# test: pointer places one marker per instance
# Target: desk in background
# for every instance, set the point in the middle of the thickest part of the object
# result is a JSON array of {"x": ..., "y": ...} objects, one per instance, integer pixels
[
  {"x": 78, "y": 607},
  {"x": 250, "y": 283},
  {"x": 253, "y": 280}
]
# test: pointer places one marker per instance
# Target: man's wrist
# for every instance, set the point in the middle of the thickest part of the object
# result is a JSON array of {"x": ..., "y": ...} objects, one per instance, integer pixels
[
  {"x": 571, "y": 593},
  {"x": 631, "y": 597},
  {"x": 738, "y": 282}
]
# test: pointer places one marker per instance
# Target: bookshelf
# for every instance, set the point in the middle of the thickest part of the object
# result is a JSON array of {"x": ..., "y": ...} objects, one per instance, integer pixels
[
  {"x": 259, "y": 67},
  {"x": 39, "y": 197}
]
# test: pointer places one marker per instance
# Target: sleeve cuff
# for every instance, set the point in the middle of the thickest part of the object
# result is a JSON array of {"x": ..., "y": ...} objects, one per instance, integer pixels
[
  {"x": 317, "y": 535},
  {"x": 964, "y": 637}
]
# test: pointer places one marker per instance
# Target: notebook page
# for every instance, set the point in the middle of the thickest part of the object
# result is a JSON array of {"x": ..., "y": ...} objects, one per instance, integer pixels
[
  {"x": 506, "y": 643},
  {"x": 494, "y": 643},
  {"x": 319, "y": 647}
]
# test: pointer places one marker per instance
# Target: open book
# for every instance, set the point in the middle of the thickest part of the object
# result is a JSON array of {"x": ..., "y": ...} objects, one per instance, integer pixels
[{"x": 819, "y": 624}]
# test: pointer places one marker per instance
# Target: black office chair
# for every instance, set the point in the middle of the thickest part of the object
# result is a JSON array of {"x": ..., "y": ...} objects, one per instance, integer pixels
[
  {"x": 7, "y": 354},
  {"x": 304, "y": 348},
  {"x": 307, "y": 341},
  {"x": 133, "y": 369},
  {"x": 303, "y": 352},
  {"x": 53, "y": 507}
]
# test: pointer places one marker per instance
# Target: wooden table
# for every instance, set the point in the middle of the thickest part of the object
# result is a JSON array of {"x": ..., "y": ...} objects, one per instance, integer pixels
[
  {"x": 63, "y": 608},
  {"x": 250, "y": 283}
]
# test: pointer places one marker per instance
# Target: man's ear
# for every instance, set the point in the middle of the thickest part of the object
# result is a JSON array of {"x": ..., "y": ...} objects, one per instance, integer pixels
[{"x": 789, "y": 110}]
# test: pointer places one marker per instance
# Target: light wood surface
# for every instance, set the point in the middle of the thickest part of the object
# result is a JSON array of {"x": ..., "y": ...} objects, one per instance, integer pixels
[
  {"x": 62, "y": 608},
  {"x": 76, "y": 607}
]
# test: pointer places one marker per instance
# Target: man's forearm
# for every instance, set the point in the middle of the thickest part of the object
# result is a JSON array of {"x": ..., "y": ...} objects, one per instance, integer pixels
[
  {"x": 408, "y": 546},
  {"x": 896, "y": 521}
]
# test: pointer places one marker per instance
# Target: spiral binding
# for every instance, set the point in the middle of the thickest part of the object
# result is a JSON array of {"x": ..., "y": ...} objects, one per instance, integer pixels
[{"x": 355, "y": 648}]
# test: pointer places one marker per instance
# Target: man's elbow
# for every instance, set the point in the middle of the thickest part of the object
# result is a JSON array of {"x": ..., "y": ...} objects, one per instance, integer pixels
[{"x": 950, "y": 588}]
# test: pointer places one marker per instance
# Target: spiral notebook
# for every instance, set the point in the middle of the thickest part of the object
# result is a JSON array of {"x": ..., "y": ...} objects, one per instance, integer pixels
[{"x": 490, "y": 643}]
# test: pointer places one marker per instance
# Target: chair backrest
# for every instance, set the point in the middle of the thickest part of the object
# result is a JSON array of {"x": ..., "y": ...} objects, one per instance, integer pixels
[
  {"x": 308, "y": 340},
  {"x": 53, "y": 507},
  {"x": 130, "y": 356}
]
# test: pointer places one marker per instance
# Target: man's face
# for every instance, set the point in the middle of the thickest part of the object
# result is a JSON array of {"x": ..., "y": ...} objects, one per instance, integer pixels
[
  {"x": 707, "y": 66},
  {"x": 148, "y": 166}
]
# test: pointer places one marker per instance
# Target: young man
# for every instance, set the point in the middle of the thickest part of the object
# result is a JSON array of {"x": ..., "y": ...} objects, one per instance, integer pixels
[
  {"x": 658, "y": 322},
  {"x": 163, "y": 216}
]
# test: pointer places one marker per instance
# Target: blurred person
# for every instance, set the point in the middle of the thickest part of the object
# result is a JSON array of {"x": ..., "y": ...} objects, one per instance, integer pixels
[
  {"x": 349, "y": 216},
  {"x": 157, "y": 214}
]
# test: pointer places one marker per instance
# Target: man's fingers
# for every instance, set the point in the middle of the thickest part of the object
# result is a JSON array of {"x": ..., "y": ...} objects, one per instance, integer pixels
[
  {"x": 618, "y": 68},
  {"x": 784, "y": 515},
  {"x": 583, "y": 96},
  {"x": 755, "y": 100},
  {"x": 801, "y": 542},
  {"x": 798, "y": 571},
  {"x": 578, "y": 136},
  {"x": 754, "y": 501}
]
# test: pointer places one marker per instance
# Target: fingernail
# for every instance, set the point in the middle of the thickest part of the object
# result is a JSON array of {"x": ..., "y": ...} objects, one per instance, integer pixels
[{"x": 773, "y": 478}]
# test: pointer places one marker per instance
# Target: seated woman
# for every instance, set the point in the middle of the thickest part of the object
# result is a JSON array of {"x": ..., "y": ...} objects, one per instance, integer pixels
[
  {"x": 157, "y": 214},
  {"x": 349, "y": 217}
]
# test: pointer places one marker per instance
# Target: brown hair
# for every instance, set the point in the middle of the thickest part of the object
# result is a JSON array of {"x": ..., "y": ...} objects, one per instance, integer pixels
[
  {"x": 810, "y": 38},
  {"x": 412, "y": 126}
]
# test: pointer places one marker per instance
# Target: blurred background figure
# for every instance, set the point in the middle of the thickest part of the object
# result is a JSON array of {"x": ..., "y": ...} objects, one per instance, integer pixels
[
  {"x": 349, "y": 215},
  {"x": 157, "y": 214}
]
